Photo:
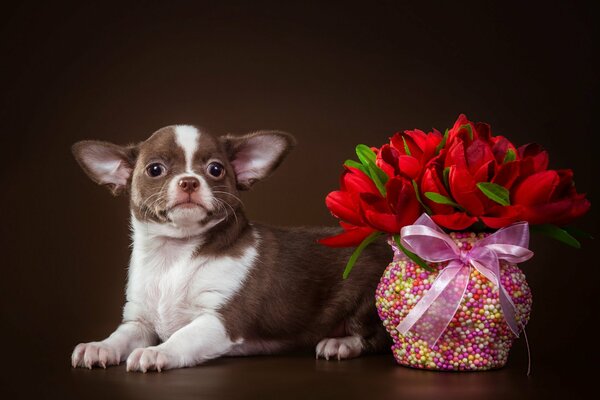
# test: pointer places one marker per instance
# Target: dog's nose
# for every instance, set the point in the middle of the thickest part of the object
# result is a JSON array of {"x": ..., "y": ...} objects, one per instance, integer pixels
[{"x": 189, "y": 184}]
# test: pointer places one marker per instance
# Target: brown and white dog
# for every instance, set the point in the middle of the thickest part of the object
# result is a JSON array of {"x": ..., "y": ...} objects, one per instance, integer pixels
[{"x": 203, "y": 281}]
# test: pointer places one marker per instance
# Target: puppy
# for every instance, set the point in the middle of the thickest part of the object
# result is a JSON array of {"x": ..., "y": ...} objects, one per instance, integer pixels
[{"x": 203, "y": 281}]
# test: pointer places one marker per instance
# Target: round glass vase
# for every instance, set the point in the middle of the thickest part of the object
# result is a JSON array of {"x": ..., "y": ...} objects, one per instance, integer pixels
[{"x": 477, "y": 338}]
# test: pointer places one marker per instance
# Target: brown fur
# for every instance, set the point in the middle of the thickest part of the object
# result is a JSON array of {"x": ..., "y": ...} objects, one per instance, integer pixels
[{"x": 295, "y": 293}]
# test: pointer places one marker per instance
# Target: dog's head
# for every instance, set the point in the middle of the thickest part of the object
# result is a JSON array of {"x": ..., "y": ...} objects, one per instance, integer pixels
[{"x": 183, "y": 177}]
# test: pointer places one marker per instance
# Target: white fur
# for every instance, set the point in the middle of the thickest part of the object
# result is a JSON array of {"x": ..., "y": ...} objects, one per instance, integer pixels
[
  {"x": 174, "y": 297},
  {"x": 182, "y": 217},
  {"x": 187, "y": 138},
  {"x": 341, "y": 348},
  {"x": 170, "y": 287},
  {"x": 173, "y": 230}
]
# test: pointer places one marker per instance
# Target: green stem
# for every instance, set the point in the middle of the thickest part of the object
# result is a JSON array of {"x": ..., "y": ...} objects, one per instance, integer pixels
[
  {"x": 412, "y": 256},
  {"x": 425, "y": 207},
  {"x": 367, "y": 241}
]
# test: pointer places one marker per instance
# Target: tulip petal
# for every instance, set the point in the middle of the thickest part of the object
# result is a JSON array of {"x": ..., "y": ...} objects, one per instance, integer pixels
[
  {"x": 456, "y": 156},
  {"x": 343, "y": 206},
  {"x": 462, "y": 131},
  {"x": 355, "y": 181},
  {"x": 478, "y": 153},
  {"x": 405, "y": 145},
  {"x": 465, "y": 191},
  {"x": 501, "y": 216},
  {"x": 507, "y": 174},
  {"x": 558, "y": 213},
  {"x": 431, "y": 182},
  {"x": 484, "y": 172},
  {"x": 535, "y": 159},
  {"x": 403, "y": 201},
  {"x": 484, "y": 131},
  {"x": 387, "y": 159},
  {"x": 456, "y": 221},
  {"x": 565, "y": 185},
  {"x": 382, "y": 221},
  {"x": 348, "y": 238},
  {"x": 409, "y": 167},
  {"x": 536, "y": 189},
  {"x": 501, "y": 146}
]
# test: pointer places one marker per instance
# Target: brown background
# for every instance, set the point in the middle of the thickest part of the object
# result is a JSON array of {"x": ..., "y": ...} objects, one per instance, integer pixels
[{"x": 333, "y": 75}]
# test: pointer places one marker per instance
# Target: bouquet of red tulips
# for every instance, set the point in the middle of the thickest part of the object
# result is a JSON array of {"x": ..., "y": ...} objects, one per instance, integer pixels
[{"x": 465, "y": 179}]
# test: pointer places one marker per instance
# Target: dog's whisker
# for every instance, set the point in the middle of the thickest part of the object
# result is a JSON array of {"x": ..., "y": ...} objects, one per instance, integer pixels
[{"x": 230, "y": 194}]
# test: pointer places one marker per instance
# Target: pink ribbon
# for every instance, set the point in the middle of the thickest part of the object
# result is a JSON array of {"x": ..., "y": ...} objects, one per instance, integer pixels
[{"x": 433, "y": 312}]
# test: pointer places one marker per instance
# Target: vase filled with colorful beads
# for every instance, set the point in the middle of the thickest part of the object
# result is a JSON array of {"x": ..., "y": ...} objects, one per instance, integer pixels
[{"x": 458, "y": 209}]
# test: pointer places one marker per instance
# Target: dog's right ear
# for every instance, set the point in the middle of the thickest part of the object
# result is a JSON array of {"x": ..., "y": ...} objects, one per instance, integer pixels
[{"x": 106, "y": 163}]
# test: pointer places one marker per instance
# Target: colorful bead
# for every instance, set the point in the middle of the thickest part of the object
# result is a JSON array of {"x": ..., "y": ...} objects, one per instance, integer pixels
[{"x": 477, "y": 338}]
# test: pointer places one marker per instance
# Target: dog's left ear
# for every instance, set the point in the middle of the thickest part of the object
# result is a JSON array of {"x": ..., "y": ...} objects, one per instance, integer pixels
[
  {"x": 256, "y": 155},
  {"x": 106, "y": 164}
]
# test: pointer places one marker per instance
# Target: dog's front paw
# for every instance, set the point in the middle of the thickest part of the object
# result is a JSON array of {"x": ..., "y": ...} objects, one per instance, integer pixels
[
  {"x": 340, "y": 348},
  {"x": 93, "y": 354},
  {"x": 149, "y": 359}
]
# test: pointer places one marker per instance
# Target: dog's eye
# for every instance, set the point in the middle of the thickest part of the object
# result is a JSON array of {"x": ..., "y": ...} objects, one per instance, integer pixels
[
  {"x": 155, "y": 170},
  {"x": 216, "y": 169}
]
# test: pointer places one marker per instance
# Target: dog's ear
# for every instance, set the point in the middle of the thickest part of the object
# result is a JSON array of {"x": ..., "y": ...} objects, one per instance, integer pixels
[
  {"x": 254, "y": 156},
  {"x": 106, "y": 163}
]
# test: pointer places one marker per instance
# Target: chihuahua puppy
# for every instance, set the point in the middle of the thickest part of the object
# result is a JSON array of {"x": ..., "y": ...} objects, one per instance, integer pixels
[{"x": 203, "y": 282}]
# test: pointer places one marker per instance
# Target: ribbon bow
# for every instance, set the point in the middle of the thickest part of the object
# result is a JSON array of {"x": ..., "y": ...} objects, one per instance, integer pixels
[{"x": 432, "y": 314}]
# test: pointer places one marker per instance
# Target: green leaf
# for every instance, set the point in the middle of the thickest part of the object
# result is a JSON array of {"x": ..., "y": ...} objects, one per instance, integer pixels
[
  {"x": 441, "y": 199},
  {"x": 365, "y": 154},
  {"x": 469, "y": 129},
  {"x": 416, "y": 187},
  {"x": 380, "y": 185},
  {"x": 376, "y": 171},
  {"x": 441, "y": 145},
  {"x": 557, "y": 233},
  {"x": 406, "y": 148},
  {"x": 495, "y": 192},
  {"x": 357, "y": 165},
  {"x": 367, "y": 157},
  {"x": 509, "y": 156},
  {"x": 576, "y": 232},
  {"x": 412, "y": 256},
  {"x": 447, "y": 178},
  {"x": 357, "y": 252}
]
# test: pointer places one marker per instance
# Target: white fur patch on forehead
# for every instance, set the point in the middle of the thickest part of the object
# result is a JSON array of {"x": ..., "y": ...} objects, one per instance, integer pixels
[{"x": 187, "y": 138}]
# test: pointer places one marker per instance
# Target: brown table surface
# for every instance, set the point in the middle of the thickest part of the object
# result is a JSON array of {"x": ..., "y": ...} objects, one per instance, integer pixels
[{"x": 296, "y": 376}]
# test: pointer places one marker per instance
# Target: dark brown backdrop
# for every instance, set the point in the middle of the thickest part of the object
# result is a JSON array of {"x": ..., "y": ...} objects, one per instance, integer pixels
[{"x": 332, "y": 74}]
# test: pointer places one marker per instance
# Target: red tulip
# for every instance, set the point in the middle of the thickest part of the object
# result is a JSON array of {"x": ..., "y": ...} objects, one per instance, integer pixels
[
  {"x": 399, "y": 208},
  {"x": 476, "y": 178},
  {"x": 351, "y": 236},
  {"x": 473, "y": 155},
  {"x": 408, "y": 153},
  {"x": 533, "y": 159},
  {"x": 432, "y": 181},
  {"x": 549, "y": 197},
  {"x": 346, "y": 204},
  {"x": 456, "y": 221},
  {"x": 465, "y": 131}
]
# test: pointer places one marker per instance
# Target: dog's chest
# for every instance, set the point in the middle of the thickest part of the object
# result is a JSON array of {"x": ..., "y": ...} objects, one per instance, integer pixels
[{"x": 172, "y": 287}]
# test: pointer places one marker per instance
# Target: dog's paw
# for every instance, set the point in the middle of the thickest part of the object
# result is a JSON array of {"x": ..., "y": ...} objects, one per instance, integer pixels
[
  {"x": 94, "y": 354},
  {"x": 339, "y": 348},
  {"x": 149, "y": 359}
]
